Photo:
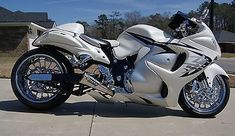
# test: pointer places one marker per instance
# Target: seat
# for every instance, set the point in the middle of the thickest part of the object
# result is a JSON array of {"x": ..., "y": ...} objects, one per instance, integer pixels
[
  {"x": 94, "y": 41},
  {"x": 114, "y": 43}
]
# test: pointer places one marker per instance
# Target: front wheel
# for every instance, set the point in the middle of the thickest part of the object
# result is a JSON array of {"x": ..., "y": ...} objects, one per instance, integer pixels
[
  {"x": 200, "y": 100},
  {"x": 41, "y": 95}
]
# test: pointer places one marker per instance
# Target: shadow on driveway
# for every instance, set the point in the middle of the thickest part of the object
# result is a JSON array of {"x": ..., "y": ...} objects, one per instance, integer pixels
[{"x": 117, "y": 110}]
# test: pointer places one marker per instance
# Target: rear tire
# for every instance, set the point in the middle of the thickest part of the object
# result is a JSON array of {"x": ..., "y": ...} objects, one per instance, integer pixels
[
  {"x": 27, "y": 91},
  {"x": 219, "y": 105}
]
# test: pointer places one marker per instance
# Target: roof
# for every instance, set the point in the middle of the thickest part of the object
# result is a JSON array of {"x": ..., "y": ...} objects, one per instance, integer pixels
[
  {"x": 225, "y": 37},
  {"x": 40, "y": 18},
  {"x": 30, "y": 24},
  {"x": 4, "y": 10},
  {"x": 46, "y": 24}
]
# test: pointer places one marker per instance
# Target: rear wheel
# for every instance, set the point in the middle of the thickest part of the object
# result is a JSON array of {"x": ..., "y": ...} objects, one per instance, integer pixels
[
  {"x": 202, "y": 101},
  {"x": 37, "y": 94}
]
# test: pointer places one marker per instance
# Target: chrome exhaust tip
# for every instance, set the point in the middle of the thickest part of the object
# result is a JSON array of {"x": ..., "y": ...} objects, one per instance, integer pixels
[{"x": 93, "y": 83}]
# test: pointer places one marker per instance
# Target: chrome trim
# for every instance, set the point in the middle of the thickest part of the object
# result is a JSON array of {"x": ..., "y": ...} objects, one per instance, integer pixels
[
  {"x": 84, "y": 58},
  {"x": 100, "y": 97},
  {"x": 108, "y": 78},
  {"x": 81, "y": 61},
  {"x": 25, "y": 86},
  {"x": 202, "y": 98},
  {"x": 93, "y": 83},
  {"x": 40, "y": 77}
]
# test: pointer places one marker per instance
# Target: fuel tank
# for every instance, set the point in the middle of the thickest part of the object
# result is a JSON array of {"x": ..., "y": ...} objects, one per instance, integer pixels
[{"x": 132, "y": 40}]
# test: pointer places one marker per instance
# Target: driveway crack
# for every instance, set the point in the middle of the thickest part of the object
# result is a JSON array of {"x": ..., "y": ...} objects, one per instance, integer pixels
[{"x": 92, "y": 119}]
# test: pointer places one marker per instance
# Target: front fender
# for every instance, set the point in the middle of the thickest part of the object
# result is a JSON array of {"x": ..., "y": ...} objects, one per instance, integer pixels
[{"x": 212, "y": 71}]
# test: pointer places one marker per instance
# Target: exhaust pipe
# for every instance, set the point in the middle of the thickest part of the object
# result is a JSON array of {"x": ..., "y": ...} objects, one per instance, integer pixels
[
  {"x": 85, "y": 79},
  {"x": 93, "y": 83}
]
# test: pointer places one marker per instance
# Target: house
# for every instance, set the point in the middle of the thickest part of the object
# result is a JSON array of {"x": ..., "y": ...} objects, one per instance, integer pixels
[
  {"x": 19, "y": 29},
  {"x": 39, "y": 18},
  {"x": 226, "y": 41}
]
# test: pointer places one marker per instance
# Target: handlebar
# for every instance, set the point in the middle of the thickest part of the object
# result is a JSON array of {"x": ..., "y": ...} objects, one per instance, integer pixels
[{"x": 204, "y": 14}]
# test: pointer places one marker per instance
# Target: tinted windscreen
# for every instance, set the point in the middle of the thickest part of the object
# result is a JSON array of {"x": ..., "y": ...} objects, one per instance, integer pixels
[{"x": 178, "y": 19}]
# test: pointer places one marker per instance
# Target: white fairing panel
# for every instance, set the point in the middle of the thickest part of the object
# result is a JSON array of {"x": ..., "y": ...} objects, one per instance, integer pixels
[
  {"x": 143, "y": 79},
  {"x": 72, "y": 27},
  {"x": 67, "y": 37},
  {"x": 205, "y": 41},
  {"x": 212, "y": 71},
  {"x": 129, "y": 45},
  {"x": 151, "y": 32}
]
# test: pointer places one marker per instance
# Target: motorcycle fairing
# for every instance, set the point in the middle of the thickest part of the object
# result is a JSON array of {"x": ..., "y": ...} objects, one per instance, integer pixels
[
  {"x": 130, "y": 42},
  {"x": 174, "y": 80},
  {"x": 63, "y": 37},
  {"x": 193, "y": 66},
  {"x": 72, "y": 27},
  {"x": 133, "y": 42}
]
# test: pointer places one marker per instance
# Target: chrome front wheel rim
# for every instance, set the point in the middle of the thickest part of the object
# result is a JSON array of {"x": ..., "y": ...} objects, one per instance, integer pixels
[{"x": 202, "y": 98}]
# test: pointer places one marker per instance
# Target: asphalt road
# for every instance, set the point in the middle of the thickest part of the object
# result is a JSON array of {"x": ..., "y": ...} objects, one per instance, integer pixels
[
  {"x": 82, "y": 116},
  {"x": 228, "y": 64}
]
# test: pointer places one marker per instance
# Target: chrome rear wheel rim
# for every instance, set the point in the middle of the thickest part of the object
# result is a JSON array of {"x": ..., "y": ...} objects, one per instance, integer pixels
[{"x": 34, "y": 91}]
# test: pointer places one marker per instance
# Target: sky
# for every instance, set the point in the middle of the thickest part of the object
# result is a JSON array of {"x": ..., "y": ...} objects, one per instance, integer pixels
[{"x": 65, "y": 11}]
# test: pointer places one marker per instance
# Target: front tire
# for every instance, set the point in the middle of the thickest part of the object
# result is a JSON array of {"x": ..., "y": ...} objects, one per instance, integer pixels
[
  {"x": 204, "y": 102},
  {"x": 41, "y": 95}
]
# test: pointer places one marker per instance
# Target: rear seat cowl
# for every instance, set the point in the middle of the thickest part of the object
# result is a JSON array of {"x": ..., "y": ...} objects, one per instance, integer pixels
[{"x": 94, "y": 41}]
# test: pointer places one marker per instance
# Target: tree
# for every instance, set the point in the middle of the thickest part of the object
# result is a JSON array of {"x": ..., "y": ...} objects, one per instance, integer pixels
[
  {"x": 159, "y": 21},
  {"x": 233, "y": 4},
  {"x": 203, "y": 6},
  {"x": 133, "y": 18},
  {"x": 224, "y": 15},
  {"x": 116, "y": 24},
  {"x": 193, "y": 13},
  {"x": 223, "y": 19},
  {"x": 85, "y": 24},
  {"x": 102, "y": 24},
  {"x": 111, "y": 26}
]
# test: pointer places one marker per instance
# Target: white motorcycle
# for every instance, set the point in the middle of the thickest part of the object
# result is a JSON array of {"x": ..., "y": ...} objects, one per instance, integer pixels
[{"x": 145, "y": 65}]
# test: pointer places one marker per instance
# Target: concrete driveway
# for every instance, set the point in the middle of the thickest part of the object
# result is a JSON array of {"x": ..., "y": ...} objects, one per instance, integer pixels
[
  {"x": 82, "y": 116},
  {"x": 228, "y": 64}
]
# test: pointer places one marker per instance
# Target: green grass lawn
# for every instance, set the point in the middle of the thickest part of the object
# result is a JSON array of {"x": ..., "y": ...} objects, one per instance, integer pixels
[
  {"x": 228, "y": 55},
  {"x": 6, "y": 64}
]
